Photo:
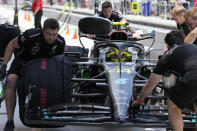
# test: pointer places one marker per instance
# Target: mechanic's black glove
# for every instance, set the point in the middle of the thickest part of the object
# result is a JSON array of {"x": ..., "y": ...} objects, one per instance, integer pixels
[
  {"x": 3, "y": 71},
  {"x": 136, "y": 104}
]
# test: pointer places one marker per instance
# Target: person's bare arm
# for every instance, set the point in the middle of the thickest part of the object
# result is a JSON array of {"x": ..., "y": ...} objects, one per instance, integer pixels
[
  {"x": 191, "y": 37},
  {"x": 10, "y": 49},
  {"x": 36, "y": 10},
  {"x": 37, "y": 7},
  {"x": 129, "y": 28},
  {"x": 150, "y": 85}
]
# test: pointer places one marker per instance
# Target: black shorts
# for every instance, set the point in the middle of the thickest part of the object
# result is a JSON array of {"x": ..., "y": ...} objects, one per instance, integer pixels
[
  {"x": 16, "y": 66},
  {"x": 184, "y": 94}
]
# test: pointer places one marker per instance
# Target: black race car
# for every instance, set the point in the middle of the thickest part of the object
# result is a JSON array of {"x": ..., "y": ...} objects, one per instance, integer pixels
[{"x": 95, "y": 90}]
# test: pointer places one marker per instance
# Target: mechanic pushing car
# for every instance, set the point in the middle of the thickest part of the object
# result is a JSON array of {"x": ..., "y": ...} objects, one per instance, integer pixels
[
  {"x": 183, "y": 93},
  {"x": 107, "y": 12},
  {"x": 33, "y": 44}
]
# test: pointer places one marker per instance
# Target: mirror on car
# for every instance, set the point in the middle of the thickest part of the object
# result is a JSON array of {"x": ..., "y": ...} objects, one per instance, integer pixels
[{"x": 95, "y": 25}]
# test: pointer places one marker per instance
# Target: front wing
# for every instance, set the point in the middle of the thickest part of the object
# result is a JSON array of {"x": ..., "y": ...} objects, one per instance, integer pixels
[{"x": 91, "y": 115}]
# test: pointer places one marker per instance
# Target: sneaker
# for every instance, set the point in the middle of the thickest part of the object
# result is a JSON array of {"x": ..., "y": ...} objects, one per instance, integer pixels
[{"x": 9, "y": 126}]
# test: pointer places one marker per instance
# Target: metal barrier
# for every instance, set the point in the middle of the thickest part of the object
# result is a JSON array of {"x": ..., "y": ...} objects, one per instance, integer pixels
[
  {"x": 11, "y": 2},
  {"x": 154, "y": 8},
  {"x": 185, "y": 4},
  {"x": 160, "y": 8},
  {"x": 163, "y": 9},
  {"x": 171, "y": 5}
]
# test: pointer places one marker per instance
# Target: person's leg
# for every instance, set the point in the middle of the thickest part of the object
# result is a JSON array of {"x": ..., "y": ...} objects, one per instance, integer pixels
[
  {"x": 195, "y": 109},
  {"x": 175, "y": 116},
  {"x": 10, "y": 101},
  {"x": 37, "y": 20},
  {"x": 35, "y": 23},
  {"x": 10, "y": 95},
  {"x": 38, "y": 17}
]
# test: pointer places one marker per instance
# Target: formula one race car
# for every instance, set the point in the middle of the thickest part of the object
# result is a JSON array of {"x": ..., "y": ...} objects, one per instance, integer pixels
[{"x": 98, "y": 90}]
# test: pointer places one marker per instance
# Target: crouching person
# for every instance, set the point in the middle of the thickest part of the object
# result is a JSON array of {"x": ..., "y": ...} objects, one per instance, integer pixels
[
  {"x": 182, "y": 59},
  {"x": 33, "y": 44}
]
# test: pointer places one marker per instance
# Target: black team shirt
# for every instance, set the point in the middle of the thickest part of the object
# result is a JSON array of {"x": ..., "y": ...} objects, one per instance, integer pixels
[{"x": 33, "y": 46}]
